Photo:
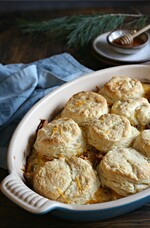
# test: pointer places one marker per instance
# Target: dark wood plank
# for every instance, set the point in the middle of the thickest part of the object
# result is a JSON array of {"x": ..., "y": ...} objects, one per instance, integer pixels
[{"x": 18, "y": 48}]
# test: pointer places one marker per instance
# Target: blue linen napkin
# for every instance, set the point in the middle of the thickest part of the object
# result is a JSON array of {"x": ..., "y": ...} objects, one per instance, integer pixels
[{"x": 22, "y": 85}]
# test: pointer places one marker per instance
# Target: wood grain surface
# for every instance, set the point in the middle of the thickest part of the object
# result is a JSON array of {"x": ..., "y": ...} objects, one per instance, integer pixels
[{"x": 16, "y": 47}]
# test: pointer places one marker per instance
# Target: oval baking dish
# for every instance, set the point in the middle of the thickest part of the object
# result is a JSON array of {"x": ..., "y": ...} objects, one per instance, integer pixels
[{"x": 14, "y": 186}]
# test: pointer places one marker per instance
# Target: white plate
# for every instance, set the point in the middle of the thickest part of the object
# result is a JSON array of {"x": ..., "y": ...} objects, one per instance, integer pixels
[{"x": 103, "y": 49}]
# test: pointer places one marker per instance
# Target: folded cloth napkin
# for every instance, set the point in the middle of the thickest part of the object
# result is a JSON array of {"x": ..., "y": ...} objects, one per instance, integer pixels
[{"x": 22, "y": 85}]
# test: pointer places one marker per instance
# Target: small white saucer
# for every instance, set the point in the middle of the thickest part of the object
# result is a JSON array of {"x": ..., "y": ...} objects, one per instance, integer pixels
[{"x": 102, "y": 48}]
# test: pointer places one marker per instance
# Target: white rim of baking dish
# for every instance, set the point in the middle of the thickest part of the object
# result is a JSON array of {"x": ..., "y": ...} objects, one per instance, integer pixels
[{"x": 15, "y": 189}]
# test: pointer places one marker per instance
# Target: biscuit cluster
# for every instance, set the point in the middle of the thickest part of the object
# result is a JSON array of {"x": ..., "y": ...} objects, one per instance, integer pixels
[{"x": 99, "y": 144}]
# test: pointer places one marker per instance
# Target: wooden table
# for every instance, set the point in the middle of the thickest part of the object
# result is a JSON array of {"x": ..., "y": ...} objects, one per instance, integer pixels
[{"x": 16, "y": 47}]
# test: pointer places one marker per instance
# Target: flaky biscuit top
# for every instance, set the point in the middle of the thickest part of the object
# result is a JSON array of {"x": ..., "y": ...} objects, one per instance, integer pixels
[
  {"x": 142, "y": 143},
  {"x": 72, "y": 181},
  {"x": 121, "y": 88},
  {"x": 112, "y": 127},
  {"x": 111, "y": 131},
  {"x": 125, "y": 171},
  {"x": 85, "y": 106},
  {"x": 61, "y": 137},
  {"x": 136, "y": 110}
]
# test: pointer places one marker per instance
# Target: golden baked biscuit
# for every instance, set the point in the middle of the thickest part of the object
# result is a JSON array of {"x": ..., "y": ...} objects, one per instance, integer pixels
[
  {"x": 85, "y": 106},
  {"x": 121, "y": 88},
  {"x": 61, "y": 137},
  {"x": 142, "y": 143},
  {"x": 111, "y": 131},
  {"x": 136, "y": 110},
  {"x": 52, "y": 176},
  {"x": 125, "y": 171},
  {"x": 71, "y": 181}
]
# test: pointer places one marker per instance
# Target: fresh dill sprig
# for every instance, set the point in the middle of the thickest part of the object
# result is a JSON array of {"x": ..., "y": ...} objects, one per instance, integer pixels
[{"x": 80, "y": 30}]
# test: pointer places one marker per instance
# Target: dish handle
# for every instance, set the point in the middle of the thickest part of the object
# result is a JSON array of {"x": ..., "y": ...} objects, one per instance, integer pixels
[{"x": 23, "y": 196}]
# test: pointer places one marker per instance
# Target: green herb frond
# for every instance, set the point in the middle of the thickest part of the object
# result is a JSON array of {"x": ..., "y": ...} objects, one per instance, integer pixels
[{"x": 82, "y": 29}]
